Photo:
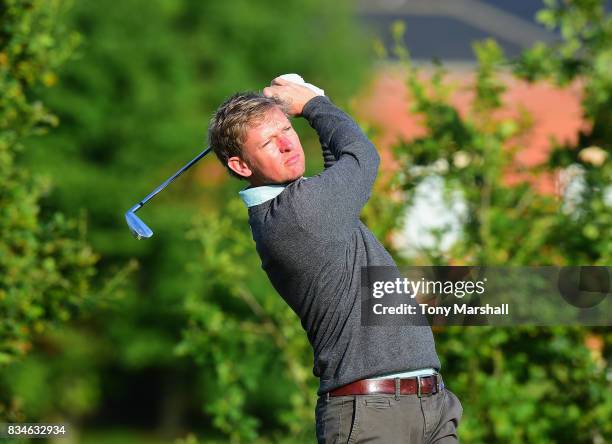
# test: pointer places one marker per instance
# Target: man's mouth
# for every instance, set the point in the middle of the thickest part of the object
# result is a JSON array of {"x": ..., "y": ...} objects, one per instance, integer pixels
[{"x": 293, "y": 159}]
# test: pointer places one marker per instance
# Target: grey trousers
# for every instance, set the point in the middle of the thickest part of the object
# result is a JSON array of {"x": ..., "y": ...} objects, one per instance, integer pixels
[{"x": 385, "y": 419}]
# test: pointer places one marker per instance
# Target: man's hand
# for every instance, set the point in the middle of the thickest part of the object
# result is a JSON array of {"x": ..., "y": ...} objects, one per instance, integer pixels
[{"x": 293, "y": 95}]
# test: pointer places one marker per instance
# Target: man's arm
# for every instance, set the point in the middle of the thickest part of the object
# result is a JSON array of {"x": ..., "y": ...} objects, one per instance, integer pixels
[
  {"x": 335, "y": 128},
  {"x": 328, "y": 157},
  {"x": 295, "y": 98},
  {"x": 329, "y": 203}
]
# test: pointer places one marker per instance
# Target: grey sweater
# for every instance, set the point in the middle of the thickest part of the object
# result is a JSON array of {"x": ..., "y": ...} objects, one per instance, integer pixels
[{"x": 312, "y": 246}]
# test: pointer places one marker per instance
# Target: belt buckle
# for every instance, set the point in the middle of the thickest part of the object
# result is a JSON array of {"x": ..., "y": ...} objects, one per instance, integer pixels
[
  {"x": 439, "y": 382},
  {"x": 436, "y": 384}
]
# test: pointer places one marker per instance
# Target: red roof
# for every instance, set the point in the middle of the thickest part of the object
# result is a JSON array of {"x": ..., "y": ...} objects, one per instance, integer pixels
[{"x": 555, "y": 112}]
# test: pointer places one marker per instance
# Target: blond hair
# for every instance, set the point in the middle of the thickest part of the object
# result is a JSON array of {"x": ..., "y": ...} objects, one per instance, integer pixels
[{"x": 228, "y": 127}]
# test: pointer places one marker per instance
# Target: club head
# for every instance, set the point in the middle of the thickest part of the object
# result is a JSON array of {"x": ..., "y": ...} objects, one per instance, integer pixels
[{"x": 137, "y": 226}]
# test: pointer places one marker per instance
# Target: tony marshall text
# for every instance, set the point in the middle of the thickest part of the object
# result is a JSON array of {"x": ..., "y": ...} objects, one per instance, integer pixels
[{"x": 457, "y": 309}]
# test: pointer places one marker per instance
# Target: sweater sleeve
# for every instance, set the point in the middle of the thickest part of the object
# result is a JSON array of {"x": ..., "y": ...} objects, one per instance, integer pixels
[{"x": 330, "y": 202}]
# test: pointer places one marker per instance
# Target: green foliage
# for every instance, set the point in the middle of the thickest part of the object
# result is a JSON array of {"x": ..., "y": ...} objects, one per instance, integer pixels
[
  {"x": 519, "y": 384},
  {"x": 69, "y": 359},
  {"x": 246, "y": 333},
  {"x": 585, "y": 53},
  {"x": 137, "y": 95},
  {"x": 45, "y": 263},
  {"x": 541, "y": 370},
  {"x": 472, "y": 153},
  {"x": 134, "y": 108},
  {"x": 527, "y": 384},
  {"x": 133, "y": 105}
]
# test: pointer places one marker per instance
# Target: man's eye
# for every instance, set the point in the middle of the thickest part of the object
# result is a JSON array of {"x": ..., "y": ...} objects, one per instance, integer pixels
[{"x": 288, "y": 128}]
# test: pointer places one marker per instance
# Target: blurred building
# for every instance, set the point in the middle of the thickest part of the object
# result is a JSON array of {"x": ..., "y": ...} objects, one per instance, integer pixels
[{"x": 445, "y": 30}]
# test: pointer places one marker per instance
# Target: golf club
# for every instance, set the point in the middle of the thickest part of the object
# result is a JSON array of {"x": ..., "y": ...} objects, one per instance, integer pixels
[{"x": 138, "y": 228}]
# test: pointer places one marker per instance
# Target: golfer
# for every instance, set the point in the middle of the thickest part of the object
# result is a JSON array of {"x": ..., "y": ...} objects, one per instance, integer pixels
[{"x": 377, "y": 384}]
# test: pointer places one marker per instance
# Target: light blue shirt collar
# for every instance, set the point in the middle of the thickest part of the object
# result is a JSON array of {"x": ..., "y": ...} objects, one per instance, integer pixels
[{"x": 258, "y": 195}]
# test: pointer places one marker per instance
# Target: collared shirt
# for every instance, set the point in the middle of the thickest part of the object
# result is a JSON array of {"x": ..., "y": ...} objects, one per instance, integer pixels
[
  {"x": 258, "y": 195},
  {"x": 313, "y": 246}
]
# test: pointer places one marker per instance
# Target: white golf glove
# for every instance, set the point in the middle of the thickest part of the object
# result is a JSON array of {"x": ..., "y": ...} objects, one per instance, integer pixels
[{"x": 296, "y": 78}]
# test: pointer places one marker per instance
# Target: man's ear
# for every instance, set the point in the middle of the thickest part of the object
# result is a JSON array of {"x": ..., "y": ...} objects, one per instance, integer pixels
[{"x": 239, "y": 166}]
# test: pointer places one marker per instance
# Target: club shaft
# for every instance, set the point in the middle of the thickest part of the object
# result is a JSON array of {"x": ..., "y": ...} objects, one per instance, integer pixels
[{"x": 167, "y": 182}]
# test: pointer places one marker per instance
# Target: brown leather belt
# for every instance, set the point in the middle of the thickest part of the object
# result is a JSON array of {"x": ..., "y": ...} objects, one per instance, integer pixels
[{"x": 418, "y": 385}]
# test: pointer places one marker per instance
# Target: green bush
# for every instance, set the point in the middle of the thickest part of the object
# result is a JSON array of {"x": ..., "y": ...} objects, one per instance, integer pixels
[
  {"x": 45, "y": 263},
  {"x": 521, "y": 384}
]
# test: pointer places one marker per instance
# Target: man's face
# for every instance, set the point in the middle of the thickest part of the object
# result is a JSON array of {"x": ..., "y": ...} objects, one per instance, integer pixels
[{"x": 272, "y": 152}]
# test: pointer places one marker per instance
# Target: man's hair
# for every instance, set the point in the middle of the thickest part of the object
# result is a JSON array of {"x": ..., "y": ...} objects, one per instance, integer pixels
[{"x": 228, "y": 127}]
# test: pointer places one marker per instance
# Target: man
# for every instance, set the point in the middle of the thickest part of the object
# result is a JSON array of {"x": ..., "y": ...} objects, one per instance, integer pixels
[{"x": 377, "y": 384}]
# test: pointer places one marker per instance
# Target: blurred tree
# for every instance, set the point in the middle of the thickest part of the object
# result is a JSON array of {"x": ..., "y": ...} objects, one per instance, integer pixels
[
  {"x": 134, "y": 104},
  {"x": 253, "y": 343},
  {"x": 46, "y": 265},
  {"x": 523, "y": 384},
  {"x": 555, "y": 380},
  {"x": 146, "y": 77}
]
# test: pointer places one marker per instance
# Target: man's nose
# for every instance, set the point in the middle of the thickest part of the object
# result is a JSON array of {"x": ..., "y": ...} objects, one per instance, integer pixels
[{"x": 284, "y": 144}]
